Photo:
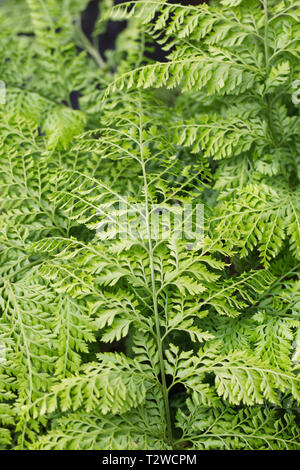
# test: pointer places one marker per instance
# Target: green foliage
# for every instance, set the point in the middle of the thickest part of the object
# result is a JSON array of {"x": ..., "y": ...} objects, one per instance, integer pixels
[{"x": 126, "y": 335}]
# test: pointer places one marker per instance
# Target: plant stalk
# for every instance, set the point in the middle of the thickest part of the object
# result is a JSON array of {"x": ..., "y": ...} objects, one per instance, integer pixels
[{"x": 267, "y": 60}]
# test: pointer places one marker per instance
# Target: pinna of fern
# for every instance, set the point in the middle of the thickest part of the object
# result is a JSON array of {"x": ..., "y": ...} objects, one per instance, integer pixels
[{"x": 243, "y": 58}]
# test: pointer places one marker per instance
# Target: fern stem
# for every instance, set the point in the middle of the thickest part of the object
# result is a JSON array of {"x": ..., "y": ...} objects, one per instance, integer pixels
[
  {"x": 25, "y": 268},
  {"x": 154, "y": 297}
]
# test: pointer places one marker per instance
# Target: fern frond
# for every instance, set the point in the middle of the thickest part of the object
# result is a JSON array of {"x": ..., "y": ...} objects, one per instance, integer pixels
[{"x": 225, "y": 428}]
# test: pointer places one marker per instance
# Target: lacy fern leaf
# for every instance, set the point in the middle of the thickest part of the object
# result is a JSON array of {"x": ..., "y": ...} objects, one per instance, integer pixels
[{"x": 150, "y": 227}]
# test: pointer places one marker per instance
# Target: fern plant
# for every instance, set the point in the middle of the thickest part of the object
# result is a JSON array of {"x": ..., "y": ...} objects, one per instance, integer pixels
[{"x": 118, "y": 330}]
